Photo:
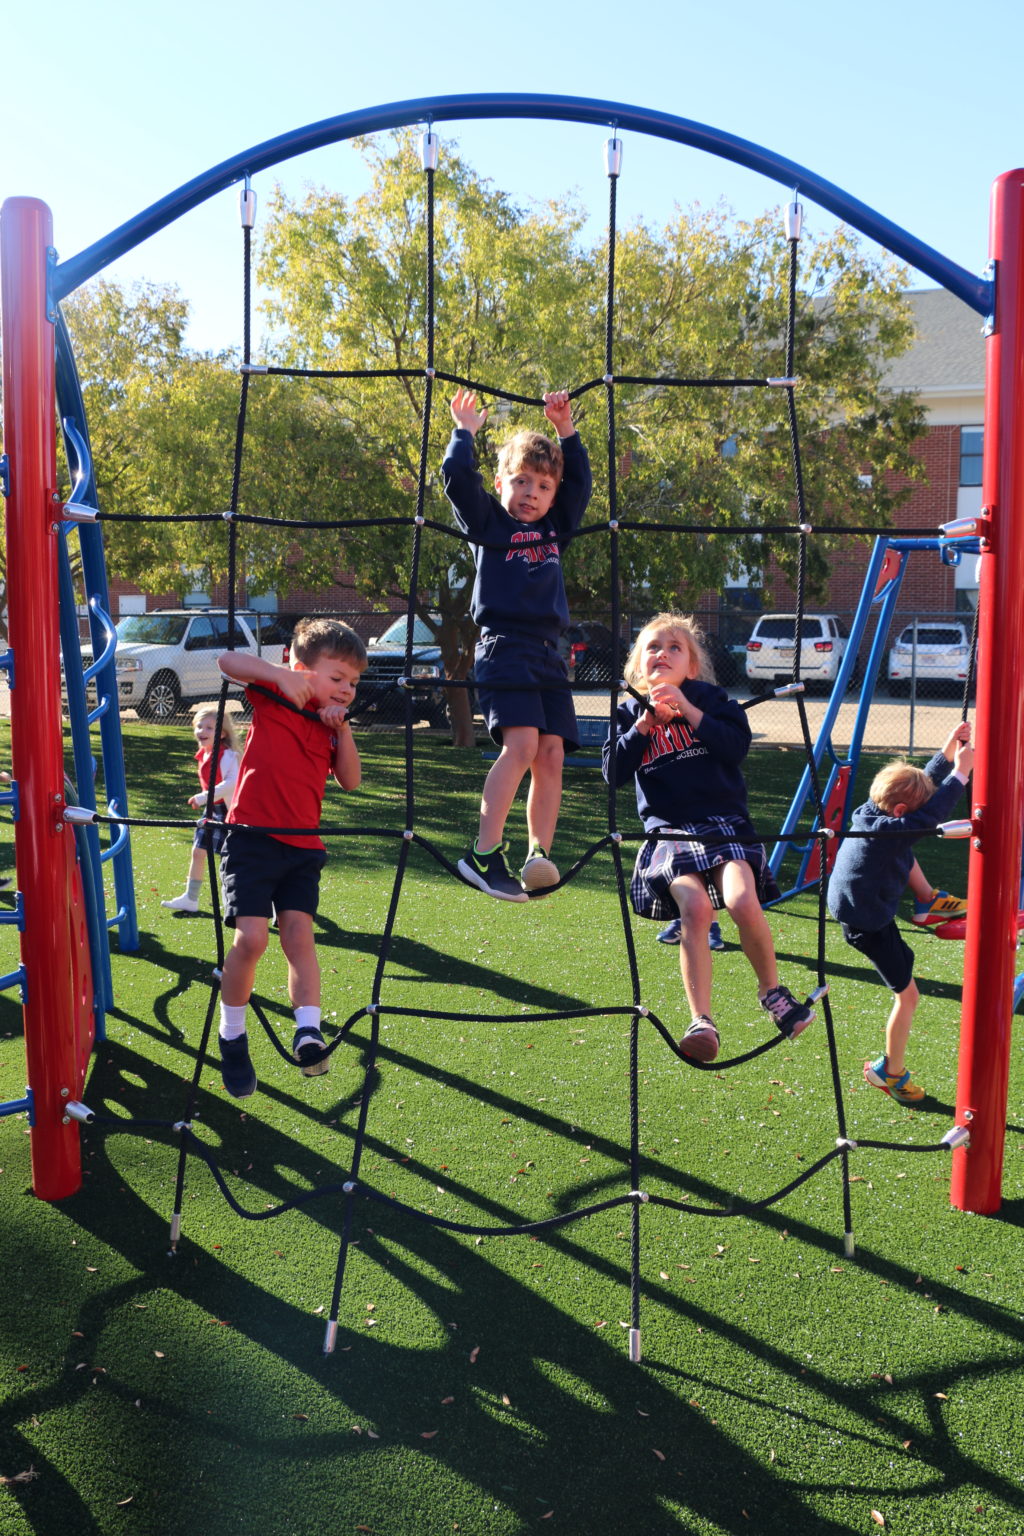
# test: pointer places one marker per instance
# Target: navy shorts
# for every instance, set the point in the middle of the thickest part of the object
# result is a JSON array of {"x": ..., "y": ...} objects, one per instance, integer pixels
[
  {"x": 888, "y": 951},
  {"x": 260, "y": 873},
  {"x": 523, "y": 681},
  {"x": 217, "y": 833}
]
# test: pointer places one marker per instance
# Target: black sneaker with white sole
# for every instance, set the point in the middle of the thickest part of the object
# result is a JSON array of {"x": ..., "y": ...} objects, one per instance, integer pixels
[
  {"x": 490, "y": 873},
  {"x": 791, "y": 1018},
  {"x": 308, "y": 1047}
]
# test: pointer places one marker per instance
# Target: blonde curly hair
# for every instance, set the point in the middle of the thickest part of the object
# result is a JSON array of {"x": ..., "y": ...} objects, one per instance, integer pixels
[{"x": 682, "y": 626}]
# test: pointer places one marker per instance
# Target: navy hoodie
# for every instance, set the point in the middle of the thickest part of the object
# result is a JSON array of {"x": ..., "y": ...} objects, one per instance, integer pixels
[{"x": 519, "y": 587}]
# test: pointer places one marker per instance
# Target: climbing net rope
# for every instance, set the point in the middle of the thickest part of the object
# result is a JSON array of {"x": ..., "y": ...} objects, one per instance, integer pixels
[{"x": 352, "y": 1187}]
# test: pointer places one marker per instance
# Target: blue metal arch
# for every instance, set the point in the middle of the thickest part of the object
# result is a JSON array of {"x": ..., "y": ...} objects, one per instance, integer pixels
[{"x": 974, "y": 291}]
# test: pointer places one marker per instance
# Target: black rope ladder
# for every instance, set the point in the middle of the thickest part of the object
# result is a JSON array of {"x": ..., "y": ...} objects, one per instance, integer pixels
[{"x": 352, "y": 1187}]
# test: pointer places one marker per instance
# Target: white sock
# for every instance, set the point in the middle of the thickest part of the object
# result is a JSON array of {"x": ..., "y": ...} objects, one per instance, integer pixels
[
  {"x": 232, "y": 1021},
  {"x": 307, "y": 1016}
]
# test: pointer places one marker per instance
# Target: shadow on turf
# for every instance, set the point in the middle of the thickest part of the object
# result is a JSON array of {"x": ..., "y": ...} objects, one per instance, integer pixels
[{"x": 549, "y": 1447}]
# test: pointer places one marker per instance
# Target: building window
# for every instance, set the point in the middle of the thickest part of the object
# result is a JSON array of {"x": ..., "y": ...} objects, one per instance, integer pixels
[{"x": 970, "y": 455}]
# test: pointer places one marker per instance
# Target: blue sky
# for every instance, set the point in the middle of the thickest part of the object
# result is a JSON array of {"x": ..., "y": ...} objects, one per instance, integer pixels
[{"x": 105, "y": 109}]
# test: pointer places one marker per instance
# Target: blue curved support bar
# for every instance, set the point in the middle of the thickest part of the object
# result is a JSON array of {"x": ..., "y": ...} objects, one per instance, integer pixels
[
  {"x": 80, "y": 464},
  {"x": 120, "y": 837},
  {"x": 973, "y": 290},
  {"x": 16, "y": 978},
  {"x": 18, "y": 1107},
  {"x": 106, "y": 624}
]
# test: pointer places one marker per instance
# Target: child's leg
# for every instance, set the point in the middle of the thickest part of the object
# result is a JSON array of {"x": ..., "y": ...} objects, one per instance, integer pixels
[
  {"x": 518, "y": 750},
  {"x": 545, "y": 798},
  {"x": 296, "y": 929},
  {"x": 739, "y": 892},
  {"x": 897, "y": 1029},
  {"x": 919, "y": 884},
  {"x": 246, "y": 951},
  {"x": 695, "y": 910}
]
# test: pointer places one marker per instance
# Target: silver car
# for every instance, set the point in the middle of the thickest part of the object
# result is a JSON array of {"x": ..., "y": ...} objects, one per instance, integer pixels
[{"x": 942, "y": 655}]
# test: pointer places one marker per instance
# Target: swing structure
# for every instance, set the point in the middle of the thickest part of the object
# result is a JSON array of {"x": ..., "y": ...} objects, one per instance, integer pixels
[{"x": 64, "y": 974}]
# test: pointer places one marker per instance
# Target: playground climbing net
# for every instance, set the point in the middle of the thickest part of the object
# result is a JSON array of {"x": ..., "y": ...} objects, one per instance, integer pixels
[{"x": 352, "y": 1187}]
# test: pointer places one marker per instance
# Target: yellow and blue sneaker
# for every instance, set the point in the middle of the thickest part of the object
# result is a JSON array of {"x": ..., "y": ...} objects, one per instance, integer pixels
[
  {"x": 897, "y": 1085},
  {"x": 940, "y": 907}
]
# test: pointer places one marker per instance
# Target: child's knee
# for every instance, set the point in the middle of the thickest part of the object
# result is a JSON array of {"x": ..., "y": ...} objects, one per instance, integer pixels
[
  {"x": 519, "y": 745},
  {"x": 694, "y": 904},
  {"x": 550, "y": 754},
  {"x": 250, "y": 943}
]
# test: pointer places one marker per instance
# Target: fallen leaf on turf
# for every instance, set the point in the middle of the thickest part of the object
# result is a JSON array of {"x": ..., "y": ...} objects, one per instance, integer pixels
[
  {"x": 159, "y": 1354},
  {"x": 506, "y": 1400},
  {"x": 79, "y": 1367},
  {"x": 941, "y": 1396},
  {"x": 303, "y": 1418},
  {"x": 428, "y": 1434},
  {"x": 446, "y": 1400},
  {"x": 663, "y": 1273},
  {"x": 122, "y": 1502},
  {"x": 317, "y": 1309},
  {"x": 887, "y": 1378},
  {"x": 19, "y": 1477},
  {"x": 771, "y": 1455},
  {"x": 364, "y": 1527},
  {"x": 473, "y": 1354},
  {"x": 660, "y": 1454},
  {"x": 907, "y": 1444},
  {"x": 601, "y": 1324},
  {"x": 877, "y": 1518},
  {"x": 643, "y": 1415},
  {"x": 372, "y": 1434},
  {"x": 548, "y": 1515},
  {"x": 90, "y": 1269}
]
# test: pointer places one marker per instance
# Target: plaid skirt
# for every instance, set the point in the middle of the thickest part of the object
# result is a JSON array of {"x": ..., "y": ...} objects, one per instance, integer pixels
[{"x": 703, "y": 845}]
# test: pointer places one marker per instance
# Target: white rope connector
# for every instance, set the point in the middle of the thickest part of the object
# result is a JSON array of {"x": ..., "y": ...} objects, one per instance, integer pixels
[
  {"x": 957, "y": 1136},
  {"x": 608, "y": 378},
  {"x": 76, "y": 512},
  {"x": 616, "y": 837},
  {"x": 846, "y": 1144},
  {"x": 228, "y": 515},
  {"x": 372, "y": 1009},
  {"x": 805, "y": 527},
  {"x": 182, "y": 1125},
  {"x": 613, "y": 524},
  {"x": 794, "y": 220},
  {"x": 408, "y": 835},
  {"x": 642, "y": 1011},
  {"x": 954, "y": 829},
  {"x": 348, "y": 1186},
  {"x": 253, "y": 368},
  {"x": 818, "y": 993},
  {"x": 848, "y": 1245},
  {"x": 247, "y": 205},
  {"x": 216, "y": 973},
  {"x": 788, "y": 690},
  {"x": 430, "y": 146},
  {"x": 639, "y": 1194},
  {"x": 79, "y": 816},
  {"x": 430, "y": 373},
  {"x": 330, "y": 1337},
  {"x": 781, "y": 383},
  {"x": 826, "y": 832},
  {"x": 419, "y": 520},
  {"x": 634, "y": 1346},
  {"x": 613, "y": 156},
  {"x": 175, "y": 1227}
]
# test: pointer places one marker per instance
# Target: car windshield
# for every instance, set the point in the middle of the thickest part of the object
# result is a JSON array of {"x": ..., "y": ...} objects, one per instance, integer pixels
[
  {"x": 395, "y": 634},
  {"x": 785, "y": 629},
  {"x": 152, "y": 629},
  {"x": 933, "y": 635}
]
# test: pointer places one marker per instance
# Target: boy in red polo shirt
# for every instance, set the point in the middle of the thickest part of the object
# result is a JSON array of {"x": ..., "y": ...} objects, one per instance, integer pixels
[{"x": 300, "y": 733}]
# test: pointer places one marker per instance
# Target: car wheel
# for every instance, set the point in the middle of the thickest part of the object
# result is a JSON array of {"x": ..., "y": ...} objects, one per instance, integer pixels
[{"x": 163, "y": 698}]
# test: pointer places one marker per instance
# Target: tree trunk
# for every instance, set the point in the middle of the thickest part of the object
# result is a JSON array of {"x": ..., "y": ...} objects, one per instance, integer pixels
[{"x": 461, "y": 716}]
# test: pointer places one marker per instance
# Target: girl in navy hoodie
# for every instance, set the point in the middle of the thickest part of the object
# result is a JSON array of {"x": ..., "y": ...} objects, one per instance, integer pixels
[{"x": 684, "y": 751}]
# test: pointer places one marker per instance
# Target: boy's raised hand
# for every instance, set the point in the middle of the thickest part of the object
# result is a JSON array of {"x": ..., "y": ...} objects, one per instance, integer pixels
[
  {"x": 963, "y": 758},
  {"x": 558, "y": 410},
  {"x": 297, "y": 686},
  {"x": 465, "y": 413},
  {"x": 959, "y": 733}
]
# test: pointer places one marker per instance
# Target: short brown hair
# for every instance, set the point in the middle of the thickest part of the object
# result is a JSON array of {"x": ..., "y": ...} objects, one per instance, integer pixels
[
  {"x": 686, "y": 627},
  {"x": 326, "y": 637},
  {"x": 900, "y": 783},
  {"x": 530, "y": 450}
]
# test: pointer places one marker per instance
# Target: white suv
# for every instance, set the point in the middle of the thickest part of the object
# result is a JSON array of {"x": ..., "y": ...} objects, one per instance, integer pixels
[
  {"x": 943, "y": 656},
  {"x": 772, "y": 647},
  {"x": 170, "y": 655}
]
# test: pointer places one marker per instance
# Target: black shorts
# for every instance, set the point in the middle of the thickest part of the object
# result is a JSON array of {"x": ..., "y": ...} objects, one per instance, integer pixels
[
  {"x": 260, "y": 874},
  {"x": 216, "y": 826},
  {"x": 888, "y": 951},
  {"x": 522, "y": 681}
]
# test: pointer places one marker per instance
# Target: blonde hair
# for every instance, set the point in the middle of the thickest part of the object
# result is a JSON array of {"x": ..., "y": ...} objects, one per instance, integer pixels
[
  {"x": 530, "y": 450},
  {"x": 228, "y": 735},
  {"x": 685, "y": 627},
  {"x": 900, "y": 783}
]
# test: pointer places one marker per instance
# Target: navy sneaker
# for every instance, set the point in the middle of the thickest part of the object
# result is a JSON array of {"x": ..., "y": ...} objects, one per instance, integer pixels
[
  {"x": 670, "y": 935},
  {"x": 308, "y": 1046},
  {"x": 236, "y": 1070},
  {"x": 791, "y": 1018},
  {"x": 715, "y": 940},
  {"x": 490, "y": 873}
]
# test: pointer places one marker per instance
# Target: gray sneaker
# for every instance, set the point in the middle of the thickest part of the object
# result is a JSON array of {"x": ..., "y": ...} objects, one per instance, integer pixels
[{"x": 701, "y": 1039}]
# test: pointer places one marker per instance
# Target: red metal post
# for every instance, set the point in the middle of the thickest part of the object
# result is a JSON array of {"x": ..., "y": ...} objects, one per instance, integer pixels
[
  {"x": 999, "y": 766},
  {"x": 32, "y": 513}
]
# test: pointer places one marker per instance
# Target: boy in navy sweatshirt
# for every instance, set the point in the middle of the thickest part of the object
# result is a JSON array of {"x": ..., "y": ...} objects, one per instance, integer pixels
[
  {"x": 869, "y": 877},
  {"x": 520, "y": 605}
]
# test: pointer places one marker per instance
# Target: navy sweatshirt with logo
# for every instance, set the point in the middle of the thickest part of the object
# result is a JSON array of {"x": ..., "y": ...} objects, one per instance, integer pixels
[
  {"x": 682, "y": 773},
  {"x": 519, "y": 587}
]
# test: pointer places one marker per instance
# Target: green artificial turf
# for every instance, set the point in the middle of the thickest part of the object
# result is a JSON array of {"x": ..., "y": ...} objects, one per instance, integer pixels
[{"x": 482, "y": 1384}]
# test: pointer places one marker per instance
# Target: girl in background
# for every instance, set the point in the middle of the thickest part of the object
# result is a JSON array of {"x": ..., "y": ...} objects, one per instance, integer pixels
[{"x": 222, "y": 766}]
